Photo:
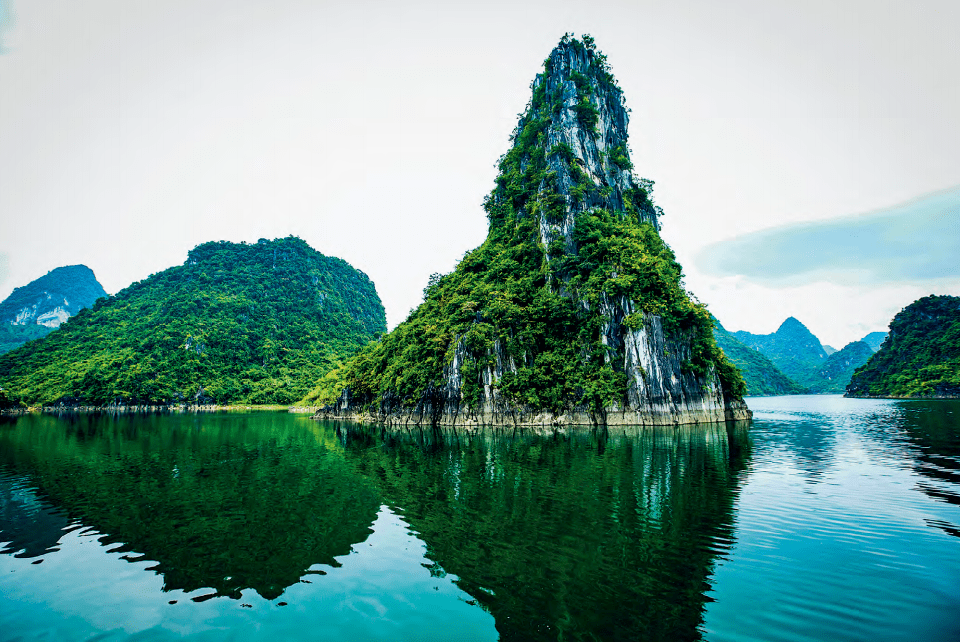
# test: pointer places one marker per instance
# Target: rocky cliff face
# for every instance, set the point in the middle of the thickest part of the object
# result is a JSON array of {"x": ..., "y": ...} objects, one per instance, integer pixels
[
  {"x": 41, "y": 306},
  {"x": 53, "y": 298},
  {"x": 572, "y": 311}
]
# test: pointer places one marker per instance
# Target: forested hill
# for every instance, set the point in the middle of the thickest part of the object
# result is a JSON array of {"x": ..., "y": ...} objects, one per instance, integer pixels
[
  {"x": 236, "y": 323},
  {"x": 920, "y": 357},
  {"x": 834, "y": 375}
]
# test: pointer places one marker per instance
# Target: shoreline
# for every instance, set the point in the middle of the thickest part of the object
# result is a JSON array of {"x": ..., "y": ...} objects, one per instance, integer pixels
[
  {"x": 535, "y": 420},
  {"x": 147, "y": 409},
  {"x": 929, "y": 398}
]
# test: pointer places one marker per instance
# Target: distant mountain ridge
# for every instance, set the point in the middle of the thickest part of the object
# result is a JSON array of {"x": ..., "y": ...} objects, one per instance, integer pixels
[
  {"x": 874, "y": 340},
  {"x": 760, "y": 375},
  {"x": 834, "y": 375},
  {"x": 798, "y": 356},
  {"x": 236, "y": 323},
  {"x": 792, "y": 348},
  {"x": 39, "y": 307},
  {"x": 919, "y": 358}
]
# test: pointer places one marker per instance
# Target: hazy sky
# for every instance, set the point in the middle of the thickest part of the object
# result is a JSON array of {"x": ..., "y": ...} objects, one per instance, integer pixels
[{"x": 131, "y": 131}]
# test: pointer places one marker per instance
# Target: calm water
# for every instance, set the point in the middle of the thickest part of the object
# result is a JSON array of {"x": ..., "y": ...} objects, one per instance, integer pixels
[{"x": 824, "y": 519}]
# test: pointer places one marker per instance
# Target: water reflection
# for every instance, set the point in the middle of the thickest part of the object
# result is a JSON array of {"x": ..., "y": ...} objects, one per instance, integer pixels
[
  {"x": 581, "y": 534},
  {"x": 933, "y": 427},
  {"x": 869, "y": 552},
  {"x": 219, "y": 502},
  {"x": 29, "y": 526}
]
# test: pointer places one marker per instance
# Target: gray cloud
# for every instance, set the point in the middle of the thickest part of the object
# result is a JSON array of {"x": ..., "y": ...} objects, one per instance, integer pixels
[{"x": 916, "y": 241}]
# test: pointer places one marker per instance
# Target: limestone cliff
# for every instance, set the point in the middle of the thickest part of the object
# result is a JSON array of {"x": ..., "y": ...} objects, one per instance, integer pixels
[
  {"x": 573, "y": 310},
  {"x": 36, "y": 309},
  {"x": 53, "y": 298}
]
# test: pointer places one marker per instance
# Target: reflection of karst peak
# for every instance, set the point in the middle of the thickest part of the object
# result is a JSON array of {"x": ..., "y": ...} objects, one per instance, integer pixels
[
  {"x": 814, "y": 448},
  {"x": 542, "y": 527}
]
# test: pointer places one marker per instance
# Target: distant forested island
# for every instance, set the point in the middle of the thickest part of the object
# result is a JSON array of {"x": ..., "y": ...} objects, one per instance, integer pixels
[{"x": 920, "y": 357}]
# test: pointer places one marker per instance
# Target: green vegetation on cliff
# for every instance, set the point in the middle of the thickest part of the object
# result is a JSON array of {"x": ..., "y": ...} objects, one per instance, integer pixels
[
  {"x": 569, "y": 239},
  {"x": 236, "y": 323},
  {"x": 920, "y": 357},
  {"x": 760, "y": 375}
]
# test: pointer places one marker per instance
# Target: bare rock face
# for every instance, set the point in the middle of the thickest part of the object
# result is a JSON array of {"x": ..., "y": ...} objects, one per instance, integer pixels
[
  {"x": 638, "y": 349},
  {"x": 53, "y": 298}
]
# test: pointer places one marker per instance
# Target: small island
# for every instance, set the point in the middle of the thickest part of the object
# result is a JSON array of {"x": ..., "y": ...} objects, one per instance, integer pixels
[{"x": 572, "y": 311}]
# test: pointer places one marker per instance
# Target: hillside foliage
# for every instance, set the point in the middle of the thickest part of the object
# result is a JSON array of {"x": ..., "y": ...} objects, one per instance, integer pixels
[
  {"x": 14, "y": 336},
  {"x": 835, "y": 373},
  {"x": 921, "y": 355},
  {"x": 236, "y": 323},
  {"x": 792, "y": 348}
]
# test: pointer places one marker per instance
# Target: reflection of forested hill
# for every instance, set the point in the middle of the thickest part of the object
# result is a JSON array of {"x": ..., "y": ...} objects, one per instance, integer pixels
[
  {"x": 585, "y": 535},
  {"x": 934, "y": 428},
  {"x": 221, "y": 502},
  {"x": 29, "y": 527},
  {"x": 579, "y": 536}
]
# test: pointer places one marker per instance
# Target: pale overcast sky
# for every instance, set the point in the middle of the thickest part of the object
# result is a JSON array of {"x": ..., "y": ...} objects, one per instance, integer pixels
[{"x": 131, "y": 131}]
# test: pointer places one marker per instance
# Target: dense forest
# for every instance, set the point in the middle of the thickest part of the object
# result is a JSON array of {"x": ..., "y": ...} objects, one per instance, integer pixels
[
  {"x": 835, "y": 373},
  {"x": 792, "y": 348},
  {"x": 14, "y": 336},
  {"x": 798, "y": 357},
  {"x": 920, "y": 357},
  {"x": 236, "y": 323}
]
